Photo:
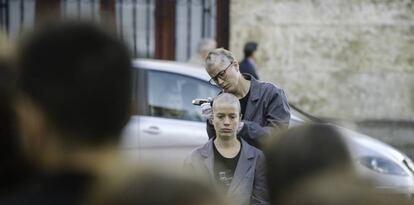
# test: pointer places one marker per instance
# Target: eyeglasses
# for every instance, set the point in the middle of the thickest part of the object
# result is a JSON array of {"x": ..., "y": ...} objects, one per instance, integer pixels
[{"x": 221, "y": 75}]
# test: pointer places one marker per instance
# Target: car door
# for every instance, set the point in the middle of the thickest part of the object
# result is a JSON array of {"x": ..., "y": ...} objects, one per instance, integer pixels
[{"x": 171, "y": 126}]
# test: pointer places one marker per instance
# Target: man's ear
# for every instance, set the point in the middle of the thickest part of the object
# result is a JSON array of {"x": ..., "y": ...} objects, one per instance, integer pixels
[{"x": 236, "y": 64}]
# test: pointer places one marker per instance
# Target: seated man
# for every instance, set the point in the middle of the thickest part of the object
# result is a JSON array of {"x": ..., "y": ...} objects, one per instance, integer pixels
[{"x": 227, "y": 160}]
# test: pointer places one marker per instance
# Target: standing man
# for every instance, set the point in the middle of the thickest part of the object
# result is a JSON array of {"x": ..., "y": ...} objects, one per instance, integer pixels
[
  {"x": 228, "y": 161},
  {"x": 74, "y": 100},
  {"x": 264, "y": 106},
  {"x": 248, "y": 64}
]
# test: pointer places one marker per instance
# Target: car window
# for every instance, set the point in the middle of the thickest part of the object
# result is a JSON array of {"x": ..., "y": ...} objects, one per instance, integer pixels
[{"x": 170, "y": 95}]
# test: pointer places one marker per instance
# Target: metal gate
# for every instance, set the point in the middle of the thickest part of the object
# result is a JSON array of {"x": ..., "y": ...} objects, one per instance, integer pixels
[
  {"x": 195, "y": 19},
  {"x": 135, "y": 21},
  {"x": 135, "y": 25},
  {"x": 16, "y": 16}
]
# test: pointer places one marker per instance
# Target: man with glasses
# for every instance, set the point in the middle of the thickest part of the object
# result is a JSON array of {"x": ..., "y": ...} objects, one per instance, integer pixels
[{"x": 264, "y": 106}]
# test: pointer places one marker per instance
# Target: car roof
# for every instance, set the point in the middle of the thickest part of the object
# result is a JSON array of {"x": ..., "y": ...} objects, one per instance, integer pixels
[{"x": 173, "y": 67}]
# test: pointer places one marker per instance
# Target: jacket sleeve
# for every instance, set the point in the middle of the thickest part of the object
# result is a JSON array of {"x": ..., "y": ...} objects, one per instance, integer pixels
[
  {"x": 260, "y": 192},
  {"x": 188, "y": 166},
  {"x": 276, "y": 117}
]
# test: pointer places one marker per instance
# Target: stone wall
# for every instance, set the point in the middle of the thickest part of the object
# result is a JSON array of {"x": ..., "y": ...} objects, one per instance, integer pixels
[{"x": 345, "y": 59}]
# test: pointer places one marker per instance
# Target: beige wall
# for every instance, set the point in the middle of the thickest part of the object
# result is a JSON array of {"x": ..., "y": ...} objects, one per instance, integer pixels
[{"x": 347, "y": 59}]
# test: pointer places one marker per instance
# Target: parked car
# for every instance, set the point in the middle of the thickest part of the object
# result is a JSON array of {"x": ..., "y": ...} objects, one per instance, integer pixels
[{"x": 166, "y": 127}]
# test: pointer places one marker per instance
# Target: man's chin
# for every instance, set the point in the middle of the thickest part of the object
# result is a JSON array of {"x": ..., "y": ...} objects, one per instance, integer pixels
[
  {"x": 227, "y": 88},
  {"x": 226, "y": 136}
]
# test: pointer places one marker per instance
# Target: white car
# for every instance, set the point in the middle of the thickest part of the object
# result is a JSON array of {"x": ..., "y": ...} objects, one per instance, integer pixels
[{"x": 166, "y": 127}]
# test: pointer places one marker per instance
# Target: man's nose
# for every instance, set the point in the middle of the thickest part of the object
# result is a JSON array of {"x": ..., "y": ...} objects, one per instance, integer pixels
[{"x": 226, "y": 121}]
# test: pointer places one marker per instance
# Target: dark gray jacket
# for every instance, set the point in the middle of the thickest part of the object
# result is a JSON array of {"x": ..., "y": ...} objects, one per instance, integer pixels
[
  {"x": 267, "y": 108},
  {"x": 248, "y": 185}
]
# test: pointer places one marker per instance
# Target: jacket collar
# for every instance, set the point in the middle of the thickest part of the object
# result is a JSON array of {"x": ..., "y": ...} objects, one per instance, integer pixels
[
  {"x": 255, "y": 93},
  {"x": 207, "y": 153},
  {"x": 254, "y": 87},
  {"x": 243, "y": 165},
  {"x": 207, "y": 150}
]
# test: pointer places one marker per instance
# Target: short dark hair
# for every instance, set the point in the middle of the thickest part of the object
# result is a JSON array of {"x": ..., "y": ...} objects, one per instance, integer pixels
[
  {"x": 303, "y": 152},
  {"x": 249, "y": 48},
  {"x": 80, "y": 76}
]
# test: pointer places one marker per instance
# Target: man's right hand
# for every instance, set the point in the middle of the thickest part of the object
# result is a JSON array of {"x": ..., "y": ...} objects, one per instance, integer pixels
[{"x": 206, "y": 111}]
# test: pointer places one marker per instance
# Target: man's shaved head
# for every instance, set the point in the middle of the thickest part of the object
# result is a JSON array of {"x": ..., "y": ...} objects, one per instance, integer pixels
[{"x": 226, "y": 98}]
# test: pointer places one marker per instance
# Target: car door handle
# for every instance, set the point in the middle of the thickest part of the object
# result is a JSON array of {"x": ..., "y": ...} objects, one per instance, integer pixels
[{"x": 154, "y": 130}]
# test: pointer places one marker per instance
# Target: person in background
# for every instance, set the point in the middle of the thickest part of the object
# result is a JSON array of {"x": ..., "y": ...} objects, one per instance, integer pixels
[
  {"x": 73, "y": 102},
  {"x": 264, "y": 106},
  {"x": 204, "y": 46},
  {"x": 248, "y": 64},
  {"x": 227, "y": 160}
]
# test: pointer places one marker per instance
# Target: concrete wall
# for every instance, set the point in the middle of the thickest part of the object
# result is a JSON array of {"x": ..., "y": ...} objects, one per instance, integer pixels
[{"x": 346, "y": 59}]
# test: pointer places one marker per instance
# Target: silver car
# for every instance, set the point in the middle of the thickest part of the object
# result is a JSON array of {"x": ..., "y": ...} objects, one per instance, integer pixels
[{"x": 166, "y": 127}]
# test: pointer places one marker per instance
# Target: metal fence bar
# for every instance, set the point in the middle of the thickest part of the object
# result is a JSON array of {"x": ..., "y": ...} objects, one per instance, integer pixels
[
  {"x": 6, "y": 5},
  {"x": 134, "y": 25},
  {"x": 209, "y": 14},
  {"x": 21, "y": 14},
  {"x": 78, "y": 5},
  {"x": 203, "y": 18},
  {"x": 188, "y": 28},
  {"x": 92, "y": 2},
  {"x": 2, "y": 14},
  {"x": 121, "y": 19},
  {"x": 4, "y": 8},
  {"x": 147, "y": 28},
  {"x": 64, "y": 8}
]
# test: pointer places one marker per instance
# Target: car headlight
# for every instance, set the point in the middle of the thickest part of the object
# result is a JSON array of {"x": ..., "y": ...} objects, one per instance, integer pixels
[{"x": 382, "y": 165}]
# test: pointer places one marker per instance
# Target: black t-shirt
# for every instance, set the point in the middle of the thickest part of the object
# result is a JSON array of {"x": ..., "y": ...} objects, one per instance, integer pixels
[
  {"x": 243, "y": 103},
  {"x": 224, "y": 168}
]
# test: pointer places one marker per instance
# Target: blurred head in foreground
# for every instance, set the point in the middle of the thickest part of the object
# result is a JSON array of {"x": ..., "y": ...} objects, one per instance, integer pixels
[
  {"x": 338, "y": 188},
  {"x": 75, "y": 94},
  {"x": 302, "y": 152},
  {"x": 148, "y": 187}
]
